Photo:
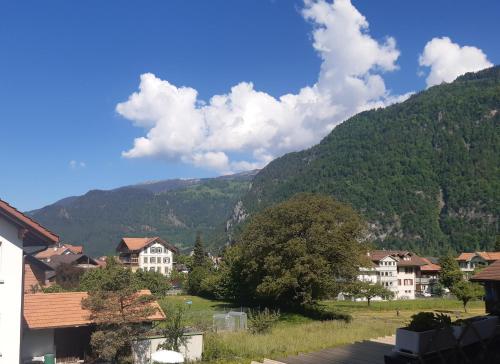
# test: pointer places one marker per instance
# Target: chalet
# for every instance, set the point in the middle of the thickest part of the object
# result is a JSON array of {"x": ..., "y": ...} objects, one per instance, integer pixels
[
  {"x": 394, "y": 269},
  {"x": 153, "y": 254},
  {"x": 427, "y": 278},
  {"x": 468, "y": 262},
  {"x": 490, "y": 276},
  {"x": 19, "y": 236}
]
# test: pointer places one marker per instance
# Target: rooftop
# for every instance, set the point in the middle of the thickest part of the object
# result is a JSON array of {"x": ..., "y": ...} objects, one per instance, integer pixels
[
  {"x": 490, "y": 273},
  {"x": 135, "y": 244}
]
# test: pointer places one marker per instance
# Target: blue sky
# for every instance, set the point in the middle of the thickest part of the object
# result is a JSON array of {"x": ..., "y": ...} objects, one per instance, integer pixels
[{"x": 66, "y": 65}]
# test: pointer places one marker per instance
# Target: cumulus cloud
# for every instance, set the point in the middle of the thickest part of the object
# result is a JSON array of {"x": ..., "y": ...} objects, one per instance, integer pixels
[
  {"x": 447, "y": 60},
  {"x": 257, "y": 126}
]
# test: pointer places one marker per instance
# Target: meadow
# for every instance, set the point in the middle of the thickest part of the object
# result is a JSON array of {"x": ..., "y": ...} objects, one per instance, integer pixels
[{"x": 295, "y": 333}]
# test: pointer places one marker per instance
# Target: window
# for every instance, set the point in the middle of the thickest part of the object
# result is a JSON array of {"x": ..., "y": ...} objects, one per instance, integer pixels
[
  {"x": 152, "y": 260},
  {"x": 160, "y": 250},
  {"x": 408, "y": 270},
  {"x": 399, "y": 282},
  {"x": 145, "y": 259},
  {"x": 158, "y": 269},
  {"x": 151, "y": 269},
  {"x": 166, "y": 260}
]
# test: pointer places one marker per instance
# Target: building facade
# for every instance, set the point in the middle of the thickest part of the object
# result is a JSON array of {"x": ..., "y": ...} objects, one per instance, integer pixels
[
  {"x": 17, "y": 233},
  {"x": 396, "y": 270},
  {"x": 149, "y": 254},
  {"x": 468, "y": 262}
]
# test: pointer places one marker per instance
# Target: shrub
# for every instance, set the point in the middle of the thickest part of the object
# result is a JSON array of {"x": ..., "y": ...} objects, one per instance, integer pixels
[
  {"x": 262, "y": 322},
  {"x": 322, "y": 313},
  {"x": 214, "y": 348},
  {"x": 425, "y": 321}
]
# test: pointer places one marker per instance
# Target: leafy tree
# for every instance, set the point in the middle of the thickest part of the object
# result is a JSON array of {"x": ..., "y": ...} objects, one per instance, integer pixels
[
  {"x": 117, "y": 309},
  {"x": 450, "y": 273},
  {"x": 156, "y": 282},
  {"x": 195, "y": 278},
  {"x": 68, "y": 276},
  {"x": 467, "y": 291},
  {"x": 369, "y": 291},
  {"x": 296, "y": 252},
  {"x": 199, "y": 257},
  {"x": 174, "y": 328}
]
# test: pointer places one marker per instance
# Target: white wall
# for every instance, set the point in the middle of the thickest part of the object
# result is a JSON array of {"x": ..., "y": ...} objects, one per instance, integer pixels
[
  {"x": 37, "y": 343},
  {"x": 11, "y": 274},
  {"x": 143, "y": 349},
  {"x": 165, "y": 268},
  {"x": 406, "y": 291}
]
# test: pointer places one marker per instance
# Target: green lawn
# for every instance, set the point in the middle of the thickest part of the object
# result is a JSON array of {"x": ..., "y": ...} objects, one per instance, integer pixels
[{"x": 295, "y": 333}]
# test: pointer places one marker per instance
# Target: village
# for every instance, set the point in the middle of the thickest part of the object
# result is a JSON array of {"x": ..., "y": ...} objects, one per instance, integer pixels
[{"x": 55, "y": 323}]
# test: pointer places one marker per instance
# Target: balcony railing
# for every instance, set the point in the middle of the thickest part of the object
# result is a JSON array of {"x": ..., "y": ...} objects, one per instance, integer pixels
[{"x": 132, "y": 260}]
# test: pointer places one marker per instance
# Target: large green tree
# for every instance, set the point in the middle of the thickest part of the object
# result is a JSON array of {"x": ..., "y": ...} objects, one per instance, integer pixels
[
  {"x": 369, "y": 291},
  {"x": 296, "y": 252},
  {"x": 467, "y": 291}
]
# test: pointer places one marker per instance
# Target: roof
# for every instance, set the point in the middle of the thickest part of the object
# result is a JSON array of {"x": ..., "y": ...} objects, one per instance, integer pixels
[
  {"x": 30, "y": 280},
  {"x": 141, "y": 243},
  {"x": 488, "y": 256},
  {"x": 51, "y": 251},
  {"x": 28, "y": 223},
  {"x": 415, "y": 260},
  {"x": 57, "y": 310},
  {"x": 57, "y": 260},
  {"x": 490, "y": 273},
  {"x": 430, "y": 266}
]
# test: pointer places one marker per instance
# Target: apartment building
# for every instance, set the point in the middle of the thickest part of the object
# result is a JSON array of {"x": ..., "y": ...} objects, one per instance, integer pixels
[{"x": 151, "y": 254}]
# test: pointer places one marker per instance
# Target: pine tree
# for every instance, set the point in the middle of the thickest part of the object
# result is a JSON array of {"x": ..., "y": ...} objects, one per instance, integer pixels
[{"x": 199, "y": 252}]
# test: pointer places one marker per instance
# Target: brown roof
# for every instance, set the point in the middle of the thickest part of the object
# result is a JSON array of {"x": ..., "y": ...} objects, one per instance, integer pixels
[
  {"x": 490, "y": 273},
  {"x": 25, "y": 221},
  {"x": 56, "y": 310},
  {"x": 415, "y": 260},
  {"x": 141, "y": 243},
  {"x": 489, "y": 256},
  {"x": 51, "y": 251},
  {"x": 429, "y": 267},
  {"x": 30, "y": 280}
]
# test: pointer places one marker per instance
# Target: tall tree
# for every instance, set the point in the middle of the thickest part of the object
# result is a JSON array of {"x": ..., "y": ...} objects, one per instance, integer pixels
[
  {"x": 497, "y": 244},
  {"x": 450, "y": 273},
  {"x": 199, "y": 258},
  {"x": 118, "y": 311},
  {"x": 297, "y": 252}
]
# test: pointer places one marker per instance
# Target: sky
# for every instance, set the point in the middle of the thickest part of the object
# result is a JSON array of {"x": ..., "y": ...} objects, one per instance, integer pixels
[{"x": 100, "y": 94}]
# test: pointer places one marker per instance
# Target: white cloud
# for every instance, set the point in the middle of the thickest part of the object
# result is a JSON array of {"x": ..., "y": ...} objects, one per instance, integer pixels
[
  {"x": 447, "y": 60},
  {"x": 254, "y": 124},
  {"x": 75, "y": 164}
]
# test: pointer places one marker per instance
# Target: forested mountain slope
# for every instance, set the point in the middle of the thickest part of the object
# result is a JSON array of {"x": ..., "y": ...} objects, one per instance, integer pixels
[
  {"x": 425, "y": 173},
  {"x": 174, "y": 210}
]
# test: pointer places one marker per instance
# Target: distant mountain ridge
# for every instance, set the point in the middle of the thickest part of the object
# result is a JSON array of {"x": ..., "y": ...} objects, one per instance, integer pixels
[
  {"x": 173, "y": 209},
  {"x": 425, "y": 173}
]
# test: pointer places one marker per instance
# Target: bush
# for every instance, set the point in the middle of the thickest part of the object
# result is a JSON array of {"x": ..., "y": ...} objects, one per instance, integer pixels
[
  {"x": 425, "y": 321},
  {"x": 214, "y": 348},
  {"x": 322, "y": 313},
  {"x": 262, "y": 322}
]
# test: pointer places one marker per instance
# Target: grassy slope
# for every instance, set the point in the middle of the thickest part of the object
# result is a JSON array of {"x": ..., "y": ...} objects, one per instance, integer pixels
[{"x": 295, "y": 333}]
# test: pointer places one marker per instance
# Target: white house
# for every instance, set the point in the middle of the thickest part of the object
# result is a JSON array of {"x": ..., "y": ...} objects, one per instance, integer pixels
[
  {"x": 394, "y": 269},
  {"x": 17, "y": 233},
  {"x": 153, "y": 254},
  {"x": 468, "y": 262}
]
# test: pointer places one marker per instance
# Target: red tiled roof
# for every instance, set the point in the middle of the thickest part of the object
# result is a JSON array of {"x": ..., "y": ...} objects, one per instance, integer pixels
[
  {"x": 51, "y": 251},
  {"x": 489, "y": 256},
  {"x": 140, "y": 243},
  {"x": 57, "y": 310},
  {"x": 490, "y": 273},
  {"x": 465, "y": 256},
  {"x": 27, "y": 222},
  {"x": 30, "y": 280}
]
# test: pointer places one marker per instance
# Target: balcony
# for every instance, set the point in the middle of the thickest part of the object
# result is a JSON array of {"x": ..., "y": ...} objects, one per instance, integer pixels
[
  {"x": 129, "y": 260},
  {"x": 425, "y": 280}
]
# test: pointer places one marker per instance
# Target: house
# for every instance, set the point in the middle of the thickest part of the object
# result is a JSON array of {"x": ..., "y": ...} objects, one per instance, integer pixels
[
  {"x": 56, "y": 323},
  {"x": 59, "y": 249},
  {"x": 395, "y": 269},
  {"x": 153, "y": 254},
  {"x": 382, "y": 270},
  {"x": 78, "y": 260},
  {"x": 490, "y": 276},
  {"x": 37, "y": 275},
  {"x": 468, "y": 262},
  {"x": 19, "y": 236},
  {"x": 427, "y": 277}
]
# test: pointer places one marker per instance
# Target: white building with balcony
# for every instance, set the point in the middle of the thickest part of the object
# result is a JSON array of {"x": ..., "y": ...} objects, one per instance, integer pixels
[{"x": 149, "y": 254}]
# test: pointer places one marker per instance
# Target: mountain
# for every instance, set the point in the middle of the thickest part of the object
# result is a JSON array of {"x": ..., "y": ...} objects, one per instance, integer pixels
[
  {"x": 173, "y": 209},
  {"x": 425, "y": 173}
]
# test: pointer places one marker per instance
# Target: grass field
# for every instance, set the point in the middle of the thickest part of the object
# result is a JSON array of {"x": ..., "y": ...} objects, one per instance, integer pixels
[{"x": 295, "y": 333}]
